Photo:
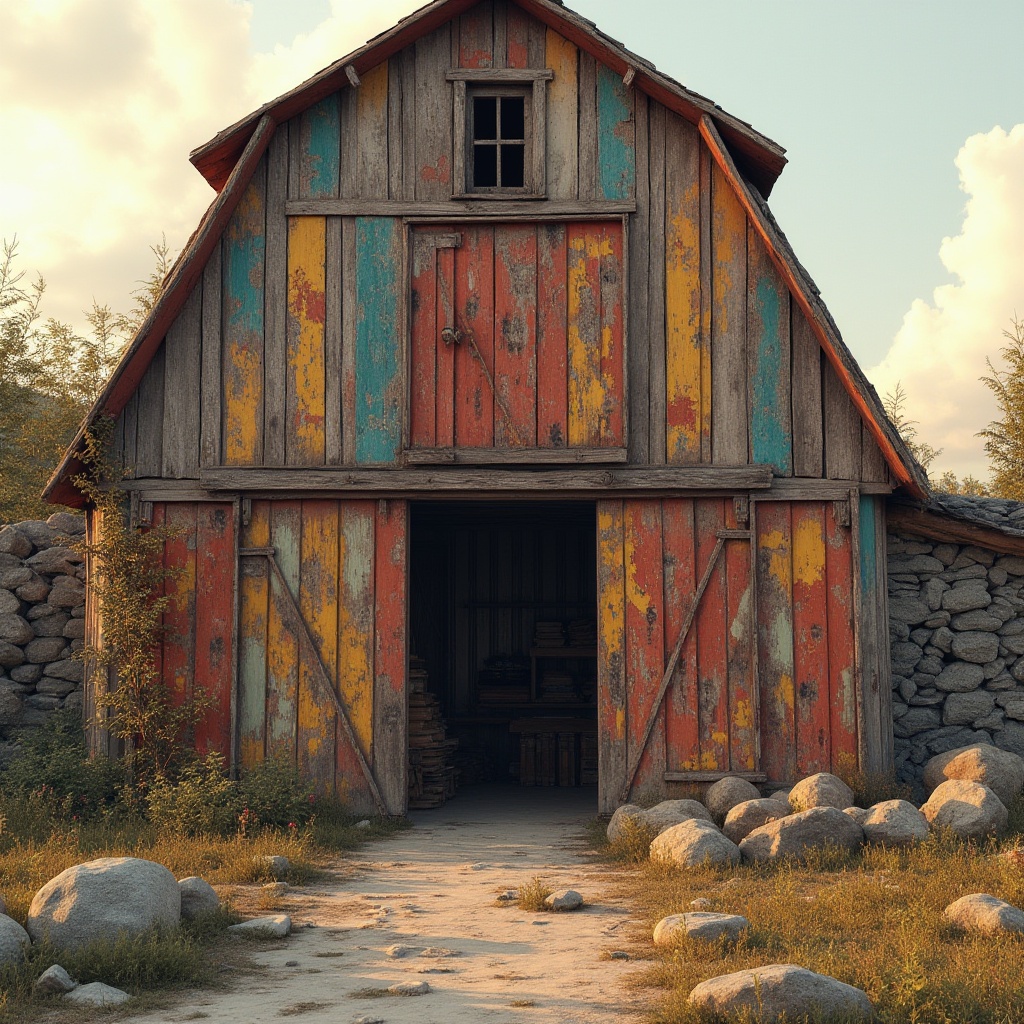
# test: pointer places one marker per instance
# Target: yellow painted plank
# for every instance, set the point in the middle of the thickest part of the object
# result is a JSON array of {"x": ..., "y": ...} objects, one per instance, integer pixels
[
  {"x": 305, "y": 437},
  {"x": 562, "y": 115},
  {"x": 253, "y": 612}
]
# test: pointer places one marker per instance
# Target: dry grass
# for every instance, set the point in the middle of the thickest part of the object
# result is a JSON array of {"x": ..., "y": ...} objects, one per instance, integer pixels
[
  {"x": 533, "y": 894},
  {"x": 873, "y": 920}
]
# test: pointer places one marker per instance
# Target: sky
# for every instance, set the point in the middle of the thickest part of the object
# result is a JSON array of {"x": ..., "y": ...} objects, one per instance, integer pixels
[{"x": 903, "y": 121}]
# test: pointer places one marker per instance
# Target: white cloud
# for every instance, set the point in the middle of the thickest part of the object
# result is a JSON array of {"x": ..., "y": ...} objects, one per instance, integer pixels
[
  {"x": 102, "y": 100},
  {"x": 940, "y": 350}
]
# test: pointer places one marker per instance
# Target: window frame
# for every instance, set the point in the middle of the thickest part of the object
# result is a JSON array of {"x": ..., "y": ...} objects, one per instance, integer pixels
[{"x": 527, "y": 82}]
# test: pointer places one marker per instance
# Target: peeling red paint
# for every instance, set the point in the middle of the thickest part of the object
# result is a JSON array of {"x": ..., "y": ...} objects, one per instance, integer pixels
[{"x": 440, "y": 172}]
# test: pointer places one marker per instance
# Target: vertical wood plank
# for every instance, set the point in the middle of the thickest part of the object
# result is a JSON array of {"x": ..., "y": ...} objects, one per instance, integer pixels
[
  {"x": 501, "y": 29},
  {"x": 254, "y": 614},
  {"x": 615, "y": 139},
  {"x": 333, "y": 406},
  {"x": 130, "y": 416},
  {"x": 242, "y": 374},
  {"x": 657, "y": 396},
  {"x": 425, "y": 335},
  {"x": 282, "y": 641},
  {"x": 515, "y": 335},
  {"x": 182, "y": 389},
  {"x": 474, "y": 310},
  {"x": 320, "y": 166},
  {"x": 612, "y": 271},
  {"x": 318, "y": 605},
  {"x": 351, "y": 186},
  {"x": 306, "y": 373},
  {"x": 638, "y": 348},
  {"x": 882, "y": 639},
  {"x": 775, "y": 640},
  {"x": 389, "y": 694},
  {"x": 552, "y": 331},
  {"x": 808, "y": 443},
  {"x": 397, "y": 128},
  {"x": 683, "y": 698},
  {"x": 279, "y": 165},
  {"x": 563, "y": 110},
  {"x": 445, "y": 315},
  {"x": 179, "y": 618},
  {"x": 476, "y": 37},
  {"x": 712, "y": 629},
  {"x": 873, "y": 465},
  {"x": 433, "y": 116},
  {"x": 842, "y": 429},
  {"x": 586, "y": 395},
  {"x": 214, "y": 622},
  {"x": 406, "y": 153},
  {"x": 356, "y": 642},
  {"x": 810, "y": 632},
  {"x": 706, "y": 260},
  {"x": 743, "y": 739},
  {"x": 611, "y": 654},
  {"x": 683, "y": 348},
  {"x": 728, "y": 322},
  {"x": 841, "y": 659},
  {"x": 870, "y": 629},
  {"x": 372, "y": 133},
  {"x": 586, "y": 122},
  {"x": 149, "y": 446},
  {"x": 645, "y": 636},
  {"x": 378, "y": 373},
  {"x": 348, "y": 340},
  {"x": 771, "y": 441}
]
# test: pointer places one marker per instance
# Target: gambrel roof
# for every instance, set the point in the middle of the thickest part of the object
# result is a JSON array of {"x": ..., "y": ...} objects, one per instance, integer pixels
[{"x": 750, "y": 161}]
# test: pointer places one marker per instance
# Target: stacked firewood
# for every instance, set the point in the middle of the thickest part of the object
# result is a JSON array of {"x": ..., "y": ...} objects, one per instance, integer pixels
[{"x": 431, "y": 768}]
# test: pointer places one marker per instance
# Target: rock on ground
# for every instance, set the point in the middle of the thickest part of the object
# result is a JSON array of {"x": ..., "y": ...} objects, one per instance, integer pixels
[
  {"x": 54, "y": 981},
  {"x": 806, "y": 830},
  {"x": 969, "y": 809},
  {"x": 277, "y": 866},
  {"x": 97, "y": 994},
  {"x": 894, "y": 823},
  {"x": 1000, "y": 770},
  {"x": 706, "y": 926},
  {"x": 14, "y": 941},
  {"x": 278, "y": 926},
  {"x": 410, "y": 988},
  {"x": 781, "y": 989},
  {"x": 197, "y": 897},
  {"x": 745, "y": 817},
  {"x": 565, "y": 899},
  {"x": 103, "y": 898},
  {"x": 857, "y": 813},
  {"x": 620, "y": 815},
  {"x": 673, "y": 812},
  {"x": 980, "y": 912},
  {"x": 820, "y": 790},
  {"x": 693, "y": 843},
  {"x": 726, "y": 793}
]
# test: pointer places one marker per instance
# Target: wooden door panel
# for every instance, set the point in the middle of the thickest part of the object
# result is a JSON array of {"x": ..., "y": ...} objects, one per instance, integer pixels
[{"x": 517, "y": 338}]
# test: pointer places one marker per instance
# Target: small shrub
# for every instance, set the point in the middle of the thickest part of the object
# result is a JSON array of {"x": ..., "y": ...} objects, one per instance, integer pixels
[
  {"x": 870, "y": 788},
  {"x": 633, "y": 844},
  {"x": 276, "y": 794},
  {"x": 533, "y": 894},
  {"x": 202, "y": 801}
]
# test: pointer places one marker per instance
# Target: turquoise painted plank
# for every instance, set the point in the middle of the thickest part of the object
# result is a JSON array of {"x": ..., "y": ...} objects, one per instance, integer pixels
[
  {"x": 868, "y": 549},
  {"x": 244, "y": 256},
  {"x": 770, "y": 440},
  {"x": 615, "y": 136},
  {"x": 286, "y": 540},
  {"x": 322, "y": 138},
  {"x": 378, "y": 346}
]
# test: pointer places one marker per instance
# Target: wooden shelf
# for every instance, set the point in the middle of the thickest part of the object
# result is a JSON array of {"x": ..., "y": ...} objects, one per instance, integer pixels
[{"x": 563, "y": 652}]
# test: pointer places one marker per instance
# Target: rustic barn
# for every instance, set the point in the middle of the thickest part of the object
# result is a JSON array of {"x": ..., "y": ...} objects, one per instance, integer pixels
[{"x": 506, "y": 436}]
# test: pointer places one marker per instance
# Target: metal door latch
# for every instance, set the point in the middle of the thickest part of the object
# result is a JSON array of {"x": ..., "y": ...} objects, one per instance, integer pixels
[{"x": 450, "y": 335}]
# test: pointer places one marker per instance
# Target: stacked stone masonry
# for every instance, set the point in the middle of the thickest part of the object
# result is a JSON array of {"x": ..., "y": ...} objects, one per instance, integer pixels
[
  {"x": 42, "y": 622},
  {"x": 956, "y": 621}
]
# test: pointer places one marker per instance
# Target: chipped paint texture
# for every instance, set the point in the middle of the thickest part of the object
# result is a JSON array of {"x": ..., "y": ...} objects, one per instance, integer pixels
[
  {"x": 321, "y": 134},
  {"x": 306, "y": 320},
  {"x": 615, "y": 139},
  {"x": 769, "y": 428}
]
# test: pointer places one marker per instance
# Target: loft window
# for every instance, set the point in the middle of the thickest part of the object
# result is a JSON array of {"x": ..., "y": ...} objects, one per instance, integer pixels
[{"x": 499, "y": 132}]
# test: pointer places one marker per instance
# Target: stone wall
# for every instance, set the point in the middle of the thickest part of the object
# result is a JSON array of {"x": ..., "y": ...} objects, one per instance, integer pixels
[
  {"x": 42, "y": 622},
  {"x": 956, "y": 619}
]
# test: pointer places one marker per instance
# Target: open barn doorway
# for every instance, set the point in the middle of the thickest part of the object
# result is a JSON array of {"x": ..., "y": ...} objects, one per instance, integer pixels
[{"x": 503, "y": 648}]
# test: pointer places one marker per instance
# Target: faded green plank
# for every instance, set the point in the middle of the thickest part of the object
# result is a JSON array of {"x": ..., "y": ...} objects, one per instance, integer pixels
[{"x": 615, "y": 136}]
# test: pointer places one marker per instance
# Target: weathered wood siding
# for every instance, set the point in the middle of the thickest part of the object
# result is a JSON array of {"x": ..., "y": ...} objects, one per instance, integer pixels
[{"x": 344, "y": 566}]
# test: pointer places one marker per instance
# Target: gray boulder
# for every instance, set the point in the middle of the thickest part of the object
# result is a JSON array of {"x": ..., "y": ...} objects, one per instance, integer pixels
[
  {"x": 565, "y": 899},
  {"x": 781, "y": 991},
  {"x": 54, "y": 981},
  {"x": 66, "y": 524},
  {"x": 967, "y": 596},
  {"x": 959, "y": 677},
  {"x": 15, "y": 630},
  {"x": 806, "y": 830},
  {"x": 699, "y": 925},
  {"x": 975, "y": 646},
  {"x": 820, "y": 790},
  {"x": 673, "y": 812},
  {"x": 10, "y": 604},
  {"x": 14, "y": 941},
  {"x": 693, "y": 843},
  {"x": 621, "y": 814},
  {"x": 97, "y": 994},
  {"x": 983, "y": 913},
  {"x": 894, "y": 823},
  {"x": 857, "y": 813},
  {"x": 198, "y": 897},
  {"x": 277, "y": 926},
  {"x": 55, "y": 561},
  {"x": 751, "y": 814},
  {"x": 14, "y": 542},
  {"x": 726, "y": 793},
  {"x": 969, "y": 809},
  {"x": 276, "y": 865},
  {"x": 104, "y": 898},
  {"x": 1000, "y": 770}
]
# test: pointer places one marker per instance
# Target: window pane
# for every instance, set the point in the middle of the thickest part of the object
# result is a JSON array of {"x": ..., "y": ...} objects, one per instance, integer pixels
[
  {"x": 485, "y": 117},
  {"x": 485, "y": 166},
  {"x": 513, "y": 118},
  {"x": 512, "y": 166}
]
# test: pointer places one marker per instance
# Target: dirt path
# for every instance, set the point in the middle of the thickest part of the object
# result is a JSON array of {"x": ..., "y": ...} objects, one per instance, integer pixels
[{"x": 433, "y": 890}]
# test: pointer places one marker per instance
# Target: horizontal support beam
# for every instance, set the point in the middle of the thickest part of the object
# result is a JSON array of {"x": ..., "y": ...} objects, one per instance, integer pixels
[
  {"x": 524, "y": 209},
  {"x": 810, "y": 489},
  {"x": 713, "y": 776},
  {"x": 495, "y": 481},
  {"x": 511, "y": 456},
  {"x": 917, "y": 521},
  {"x": 499, "y": 75}
]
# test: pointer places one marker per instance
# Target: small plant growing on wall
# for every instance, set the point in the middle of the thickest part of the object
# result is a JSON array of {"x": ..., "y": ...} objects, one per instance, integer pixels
[{"x": 129, "y": 580}]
